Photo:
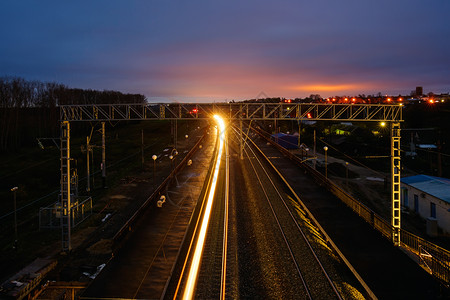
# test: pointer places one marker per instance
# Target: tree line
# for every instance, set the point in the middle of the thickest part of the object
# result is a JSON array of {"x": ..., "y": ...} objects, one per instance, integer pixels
[{"x": 29, "y": 109}]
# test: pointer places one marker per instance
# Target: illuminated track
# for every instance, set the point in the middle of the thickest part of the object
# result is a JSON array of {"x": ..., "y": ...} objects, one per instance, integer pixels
[
  {"x": 189, "y": 284},
  {"x": 310, "y": 270},
  {"x": 268, "y": 253},
  {"x": 225, "y": 225}
]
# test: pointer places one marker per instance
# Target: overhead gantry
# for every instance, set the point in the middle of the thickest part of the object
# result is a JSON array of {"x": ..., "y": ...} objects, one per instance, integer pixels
[
  {"x": 239, "y": 111},
  {"x": 232, "y": 111}
]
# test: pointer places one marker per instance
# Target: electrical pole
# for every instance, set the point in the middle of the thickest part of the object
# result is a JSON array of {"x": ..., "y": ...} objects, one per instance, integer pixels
[
  {"x": 299, "y": 132},
  {"x": 439, "y": 160},
  {"x": 103, "y": 156},
  {"x": 14, "y": 190},
  {"x": 88, "y": 175},
  {"x": 315, "y": 149},
  {"x": 346, "y": 175},
  {"x": 142, "y": 148},
  {"x": 175, "y": 134},
  {"x": 395, "y": 182},
  {"x": 66, "y": 206}
]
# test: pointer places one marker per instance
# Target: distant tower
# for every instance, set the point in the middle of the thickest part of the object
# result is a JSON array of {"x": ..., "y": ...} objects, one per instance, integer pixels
[{"x": 419, "y": 91}]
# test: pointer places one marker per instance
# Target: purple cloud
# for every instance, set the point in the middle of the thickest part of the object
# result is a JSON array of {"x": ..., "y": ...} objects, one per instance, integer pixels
[{"x": 181, "y": 50}]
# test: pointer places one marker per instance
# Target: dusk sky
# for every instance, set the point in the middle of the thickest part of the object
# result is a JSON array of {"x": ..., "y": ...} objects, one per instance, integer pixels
[{"x": 222, "y": 50}]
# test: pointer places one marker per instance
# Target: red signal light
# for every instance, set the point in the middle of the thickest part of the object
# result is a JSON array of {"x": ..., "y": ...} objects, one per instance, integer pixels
[
  {"x": 195, "y": 110},
  {"x": 309, "y": 116}
]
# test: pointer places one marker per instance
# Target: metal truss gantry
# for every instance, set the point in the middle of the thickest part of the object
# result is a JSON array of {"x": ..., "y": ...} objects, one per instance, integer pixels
[{"x": 230, "y": 111}]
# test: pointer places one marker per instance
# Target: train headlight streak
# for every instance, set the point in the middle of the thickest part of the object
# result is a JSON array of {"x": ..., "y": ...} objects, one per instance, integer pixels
[{"x": 193, "y": 271}]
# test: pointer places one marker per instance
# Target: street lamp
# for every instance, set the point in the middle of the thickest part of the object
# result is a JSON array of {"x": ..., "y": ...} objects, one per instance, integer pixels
[
  {"x": 171, "y": 160},
  {"x": 326, "y": 165},
  {"x": 172, "y": 156},
  {"x": 14, "y": 189},
  {"x": 346, "y": 174},
  {"x": 186, "y": 136},
  {"x": 154, "y": 157}
]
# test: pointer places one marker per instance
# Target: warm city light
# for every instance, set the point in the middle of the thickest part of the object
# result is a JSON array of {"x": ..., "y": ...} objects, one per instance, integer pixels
[{"x": 193, "y": 271}]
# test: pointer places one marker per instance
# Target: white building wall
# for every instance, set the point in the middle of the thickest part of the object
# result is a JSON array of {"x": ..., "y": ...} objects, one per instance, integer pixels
[{"x": 424, "y": 199}]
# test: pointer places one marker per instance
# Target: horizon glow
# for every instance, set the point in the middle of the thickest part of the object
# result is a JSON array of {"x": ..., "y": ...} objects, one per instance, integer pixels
[{"x": 203, "y": 51}]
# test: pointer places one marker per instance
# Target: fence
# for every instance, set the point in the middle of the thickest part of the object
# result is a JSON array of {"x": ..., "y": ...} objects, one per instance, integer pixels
[
  {"x": 434, "y": 259},
  {"x": 50, "y": 216}
]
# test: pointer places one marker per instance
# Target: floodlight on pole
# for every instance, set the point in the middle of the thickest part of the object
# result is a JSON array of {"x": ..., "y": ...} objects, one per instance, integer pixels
[
  {"x": 346, "y": 174},
  {"x": 171, "y": 162},
  {"x": 326, "y": 164},
  {"x": 154, "y": 157}
]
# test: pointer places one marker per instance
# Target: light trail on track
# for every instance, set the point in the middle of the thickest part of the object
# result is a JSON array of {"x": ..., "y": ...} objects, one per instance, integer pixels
[
  {"x": 225, "y": 223},
  {"x": 193, "y": 271}
]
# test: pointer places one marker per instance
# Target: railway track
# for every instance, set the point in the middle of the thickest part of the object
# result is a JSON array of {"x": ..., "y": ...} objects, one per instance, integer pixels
[
  {"x": 213, "y": 267},
  {"x": 259, "y": 242},
  {"x": 315, "y": 281},
  {"x": 203, "y": 270}
]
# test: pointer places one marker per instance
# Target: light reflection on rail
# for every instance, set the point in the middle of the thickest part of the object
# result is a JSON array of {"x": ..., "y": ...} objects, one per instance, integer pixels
[{"x": 193, "y": 271}]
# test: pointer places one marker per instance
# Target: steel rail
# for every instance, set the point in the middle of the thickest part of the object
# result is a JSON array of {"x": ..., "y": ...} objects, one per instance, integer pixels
[
  {"x": 194, "y": 234},
  {"x": 293, "y": 219},
  {"x": 201, "y": 236},
  {"x": 194, "y": 253},
  {"x": 311, "y": 216},
  {"x": 305, "y": 285},
  {"x": 225, "y": 222},
  {"x": 291, "y": 215}
]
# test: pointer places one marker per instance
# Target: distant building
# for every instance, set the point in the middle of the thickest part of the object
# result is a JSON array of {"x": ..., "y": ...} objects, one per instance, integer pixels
[
  {"x": 287, "y": 141},
  {"x": 419, "y": 91},
  {"x": 429, "y": 197}
]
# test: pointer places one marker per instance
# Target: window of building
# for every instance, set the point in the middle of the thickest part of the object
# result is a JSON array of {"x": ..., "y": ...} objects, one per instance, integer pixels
[
  {"x": 432, "y": 210},
  {"x": 405, "y": 197},
  {"x": 416, "y": 203}
]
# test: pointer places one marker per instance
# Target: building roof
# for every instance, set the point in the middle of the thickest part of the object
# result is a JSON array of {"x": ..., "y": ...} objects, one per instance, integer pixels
[
  {"x": 434, "y": 186},
  {"x": 427, "y": 146}
]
